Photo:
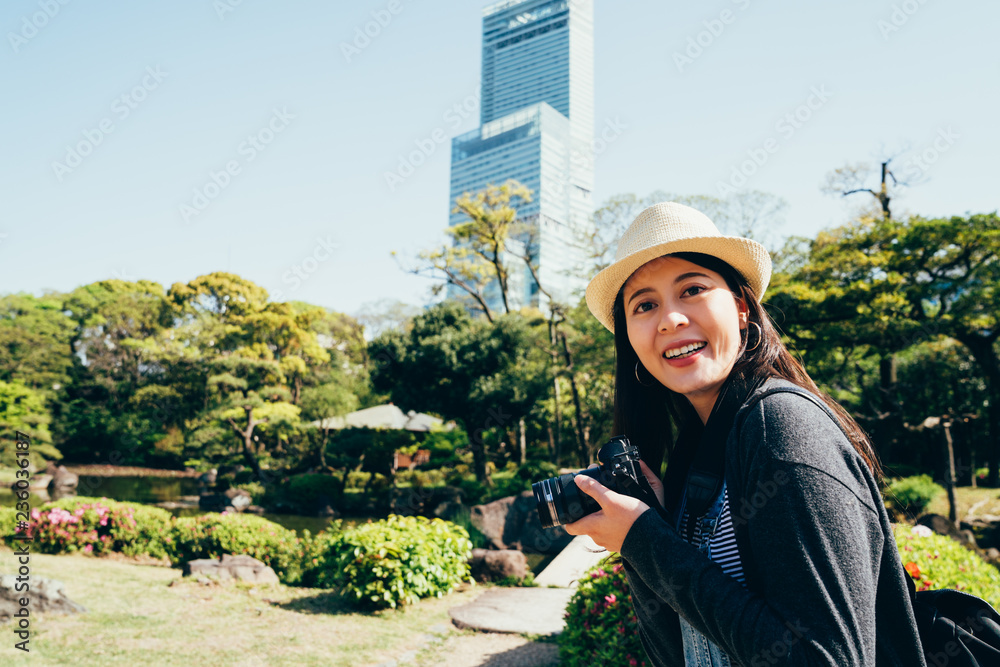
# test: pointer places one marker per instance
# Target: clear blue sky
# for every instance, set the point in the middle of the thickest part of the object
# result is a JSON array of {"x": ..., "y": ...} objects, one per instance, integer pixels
[{"x": 221, "y": 76}]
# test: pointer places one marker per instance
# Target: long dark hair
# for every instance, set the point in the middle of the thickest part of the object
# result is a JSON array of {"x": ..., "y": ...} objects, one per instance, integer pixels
[{"x": 652, "y": 416}]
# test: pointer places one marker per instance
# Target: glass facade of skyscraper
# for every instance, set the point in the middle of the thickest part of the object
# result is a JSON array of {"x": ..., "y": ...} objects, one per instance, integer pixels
[{"x": 537, "y": 124}]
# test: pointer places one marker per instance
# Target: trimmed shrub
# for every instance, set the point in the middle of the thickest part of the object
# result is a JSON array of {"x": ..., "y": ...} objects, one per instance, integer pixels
[
  {"x": 8, "y": 521},
  {"x": 98, "y": 526},
  {"x": 394, "y": 562},
  {"x": 601, "y": 628},
  {"x": 212, "y": 535},
  {"x": 912, "y": 495},
  {"x": 935, "y": 561}
]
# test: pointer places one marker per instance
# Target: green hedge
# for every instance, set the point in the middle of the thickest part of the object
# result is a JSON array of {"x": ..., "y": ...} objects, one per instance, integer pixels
[
  {"x": 935, "y": 561},
  {"x": 212, "y": 535},
  {"x": 912, "y": 495},
  {"x": 98, "y": 526},
  {"x": 393, "y": 562}
]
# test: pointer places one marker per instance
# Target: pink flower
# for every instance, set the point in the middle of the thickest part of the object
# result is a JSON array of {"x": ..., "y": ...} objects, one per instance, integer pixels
[
  {"x": 104, "y": 521},
  {"x": 610, "y": 599},
  {"x": 35, "y": 514},
  {"x": 632, "y": 661},
  {"x": 88, "y": 548},
  {"x": 79, "y": 511}
]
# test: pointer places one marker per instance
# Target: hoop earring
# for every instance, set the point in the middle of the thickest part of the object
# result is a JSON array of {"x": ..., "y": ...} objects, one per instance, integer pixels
[
  {"x": 637, "y": 377},
  {"x": 760, "y": 337}
]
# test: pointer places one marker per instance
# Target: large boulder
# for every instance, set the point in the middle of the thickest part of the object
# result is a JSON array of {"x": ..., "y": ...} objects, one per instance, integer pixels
[
  {"x": 239, "y": 568},
  {"x": 63, "y": 481},
  {"x": 512, "y": 523},
  {"x": 941, "y": 525},
  {"x": 45, "y": 596},
  {"x": 489, "y": 565},
  {"x": 233, "y": 499}
]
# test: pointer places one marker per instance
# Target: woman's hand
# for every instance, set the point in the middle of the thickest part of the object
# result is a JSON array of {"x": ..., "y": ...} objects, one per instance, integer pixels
[
  {"x": 654, "y": 481},
  {"x": 609, "y": 525}
]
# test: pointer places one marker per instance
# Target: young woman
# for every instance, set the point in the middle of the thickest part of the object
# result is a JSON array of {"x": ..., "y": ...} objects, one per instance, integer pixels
[{"x": 790, "y": 557}]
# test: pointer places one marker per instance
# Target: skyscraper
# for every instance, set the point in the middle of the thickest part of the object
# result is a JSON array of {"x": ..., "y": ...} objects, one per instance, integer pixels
[{"x": 536, "y": 126}]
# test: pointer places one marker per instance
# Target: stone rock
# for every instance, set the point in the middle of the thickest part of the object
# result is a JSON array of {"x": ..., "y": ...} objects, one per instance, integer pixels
[
  {"x": 239, "y": 568},
  {"x": 940, "y": 525},
  {"x": 236, "y": 500},
  {"x": 967, "y": 538},
  {"x": 63, "y": 481},
  {"x": 46, "y": 596},
  {"x": 489, "y": 565},
  {"x": 239, "y": 499},
  {"x": 448, "y": 510},
  {"x": 992, "y": 555},
  {"x": 328, "y": 511},
  {"x": 512, "y": 523},
  {"x": 537, "y": 611}
]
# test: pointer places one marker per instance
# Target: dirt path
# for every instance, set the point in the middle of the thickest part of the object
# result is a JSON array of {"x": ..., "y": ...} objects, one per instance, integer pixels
[{"x": 469, "y": 648}]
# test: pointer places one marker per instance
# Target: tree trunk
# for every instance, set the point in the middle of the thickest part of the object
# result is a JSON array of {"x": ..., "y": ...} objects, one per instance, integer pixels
[
  {"x": 950, "y": 470},
  {"x": 523, "y": 442},
  {"x": 246, "y": 439},
  {"x": 578, "y": 409},
  {"x": 982, "y": 350},
  {"x": 479, "y": 457},
  {"x": 322, "y": 450}
]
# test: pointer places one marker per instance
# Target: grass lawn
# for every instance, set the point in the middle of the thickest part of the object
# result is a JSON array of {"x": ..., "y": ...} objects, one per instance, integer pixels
[
  {"x": 135, "y": 617},
  {"x": 987, "y": 500}
]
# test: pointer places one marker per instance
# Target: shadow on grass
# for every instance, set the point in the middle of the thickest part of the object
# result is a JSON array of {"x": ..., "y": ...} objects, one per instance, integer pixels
[
  {"x": 326, "y": 602},
  {"x": 536, "y": 654}
]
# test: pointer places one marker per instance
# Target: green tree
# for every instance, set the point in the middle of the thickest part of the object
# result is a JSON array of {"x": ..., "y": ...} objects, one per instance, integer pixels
[
  {"x": 485, "y": 375},
  {"x": 890, "y": 284},
  {"x": 35, "y": 341},
  {"x": 23, "y": 409},
  {"x": 477, "y": 261},
  {"x": 256, "y": 357}
]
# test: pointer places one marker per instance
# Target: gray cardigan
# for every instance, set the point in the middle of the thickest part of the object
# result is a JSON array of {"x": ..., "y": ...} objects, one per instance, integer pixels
[{"x": 825, "y": 584}]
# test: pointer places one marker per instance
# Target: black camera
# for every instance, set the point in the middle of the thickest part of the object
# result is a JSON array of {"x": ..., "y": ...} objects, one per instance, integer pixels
[{"x": 559, "y": 500}]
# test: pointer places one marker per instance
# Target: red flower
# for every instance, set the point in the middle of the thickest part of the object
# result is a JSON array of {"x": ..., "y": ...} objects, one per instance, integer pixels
[{"x": 913, "y": 569}]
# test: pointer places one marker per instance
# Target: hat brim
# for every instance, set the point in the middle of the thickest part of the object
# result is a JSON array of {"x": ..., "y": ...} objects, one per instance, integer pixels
[{"x": 748, "y": 257}]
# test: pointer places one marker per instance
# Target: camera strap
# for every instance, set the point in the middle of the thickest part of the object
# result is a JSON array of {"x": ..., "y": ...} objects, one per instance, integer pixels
[{"x": 708, "y": 469}]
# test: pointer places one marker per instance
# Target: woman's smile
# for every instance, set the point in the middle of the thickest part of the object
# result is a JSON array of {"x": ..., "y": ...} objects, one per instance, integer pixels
[{"x": 684, "y": 325}]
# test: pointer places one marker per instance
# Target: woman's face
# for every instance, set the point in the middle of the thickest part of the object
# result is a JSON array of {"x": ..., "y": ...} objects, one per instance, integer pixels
[{"x": 684, "y": 324}]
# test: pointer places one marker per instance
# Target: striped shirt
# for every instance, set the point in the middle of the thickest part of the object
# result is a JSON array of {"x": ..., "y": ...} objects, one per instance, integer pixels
[{"x": 723, "y": 548}]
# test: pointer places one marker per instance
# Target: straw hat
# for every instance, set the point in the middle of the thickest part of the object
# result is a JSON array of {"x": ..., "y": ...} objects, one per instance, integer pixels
[{"x": 663, "y": 229}]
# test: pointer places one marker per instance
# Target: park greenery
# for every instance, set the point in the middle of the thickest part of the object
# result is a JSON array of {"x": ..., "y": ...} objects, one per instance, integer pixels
[
  {"x": 375, "y": 565},
  {"x": 897, "y": 319}
]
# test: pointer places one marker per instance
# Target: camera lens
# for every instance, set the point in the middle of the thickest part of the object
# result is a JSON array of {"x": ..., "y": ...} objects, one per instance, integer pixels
[{"x": 559, "y": 500}]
